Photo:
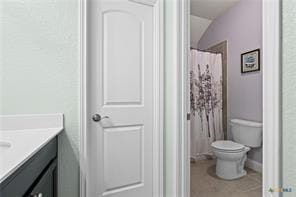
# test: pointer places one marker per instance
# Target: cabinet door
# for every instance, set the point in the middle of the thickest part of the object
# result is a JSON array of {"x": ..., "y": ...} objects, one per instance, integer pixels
[{"x": 46, "y": 185}]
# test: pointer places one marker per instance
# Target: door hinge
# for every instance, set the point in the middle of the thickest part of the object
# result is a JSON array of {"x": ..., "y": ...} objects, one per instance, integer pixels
[{"x": 188, "y": 116}]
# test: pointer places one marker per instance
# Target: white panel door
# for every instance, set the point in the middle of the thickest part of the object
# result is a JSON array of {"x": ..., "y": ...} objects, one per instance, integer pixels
[{"x": 123, "y": 91}]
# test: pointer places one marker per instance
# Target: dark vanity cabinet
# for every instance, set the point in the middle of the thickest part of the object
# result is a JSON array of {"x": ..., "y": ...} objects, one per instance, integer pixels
[
  {"x": 45, "y": 186},
  {"x": 36, "y": 178}
]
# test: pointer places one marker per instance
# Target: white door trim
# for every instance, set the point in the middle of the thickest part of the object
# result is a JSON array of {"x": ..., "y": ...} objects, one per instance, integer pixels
[
  {"x": 184, "y": 105},
  {"x": 83, "y": 97},
  {"x": 271, "y": 98},
  {"x": 159, "y": 107}
]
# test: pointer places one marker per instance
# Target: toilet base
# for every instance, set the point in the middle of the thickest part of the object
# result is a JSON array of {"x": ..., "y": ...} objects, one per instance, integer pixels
[{"x": 230, "y": 170}]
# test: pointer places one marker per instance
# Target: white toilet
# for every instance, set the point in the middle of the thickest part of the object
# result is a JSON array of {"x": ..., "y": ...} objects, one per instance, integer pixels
[{"x": 231, "y": 155}]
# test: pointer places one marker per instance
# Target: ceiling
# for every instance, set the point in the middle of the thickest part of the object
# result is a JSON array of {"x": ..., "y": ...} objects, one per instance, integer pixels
[{"x": 210, "y": 9}]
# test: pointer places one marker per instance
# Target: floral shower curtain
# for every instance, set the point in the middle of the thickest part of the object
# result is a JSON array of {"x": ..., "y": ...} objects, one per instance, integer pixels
[{"x": 206, "y": 102}]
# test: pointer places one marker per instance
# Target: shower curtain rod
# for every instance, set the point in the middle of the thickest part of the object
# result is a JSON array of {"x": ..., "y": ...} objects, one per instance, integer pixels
[{"x": 192, "y": 48}]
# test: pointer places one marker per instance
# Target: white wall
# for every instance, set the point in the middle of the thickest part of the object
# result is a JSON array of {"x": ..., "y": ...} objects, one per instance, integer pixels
[
  {"x": 39, "y": 71},
  {"x": 198, "y": 26},
  {"x": 289, "y": 96}
]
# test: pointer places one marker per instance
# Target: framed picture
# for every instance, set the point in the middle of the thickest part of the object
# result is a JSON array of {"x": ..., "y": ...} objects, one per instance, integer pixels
[{"x": 250, "y": 61}]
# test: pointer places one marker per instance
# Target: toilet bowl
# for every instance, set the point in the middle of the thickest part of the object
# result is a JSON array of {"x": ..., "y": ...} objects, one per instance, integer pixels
[
  {"x": 232, "y": 155},
  {"x": 231, "y": 159}
]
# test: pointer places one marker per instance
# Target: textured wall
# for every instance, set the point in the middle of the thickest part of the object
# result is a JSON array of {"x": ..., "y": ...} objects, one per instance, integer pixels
[
  {"x": 243, "y": 32},
  {"x": 289, "y": 95},
  {"x": 39, "y": 71},
  {"x": 198, "y": 26}
]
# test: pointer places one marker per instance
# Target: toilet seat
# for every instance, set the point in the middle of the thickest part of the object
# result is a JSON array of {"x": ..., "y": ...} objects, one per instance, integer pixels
[{"x": 228, "y": 146}]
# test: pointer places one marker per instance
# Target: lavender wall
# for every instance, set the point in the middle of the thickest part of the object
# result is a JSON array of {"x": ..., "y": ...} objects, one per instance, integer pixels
[{"x": 241, "y": 26}]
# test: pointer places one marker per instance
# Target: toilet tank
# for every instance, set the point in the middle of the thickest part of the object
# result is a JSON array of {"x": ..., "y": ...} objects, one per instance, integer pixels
[{"x": 246, "y": 132}]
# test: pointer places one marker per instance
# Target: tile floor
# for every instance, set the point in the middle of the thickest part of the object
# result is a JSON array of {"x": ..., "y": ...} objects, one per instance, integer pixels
[{"x": 205, "y": 183}]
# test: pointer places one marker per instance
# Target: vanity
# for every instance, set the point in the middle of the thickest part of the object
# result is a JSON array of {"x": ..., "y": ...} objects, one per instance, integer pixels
[{"x": 28, "y": 155}]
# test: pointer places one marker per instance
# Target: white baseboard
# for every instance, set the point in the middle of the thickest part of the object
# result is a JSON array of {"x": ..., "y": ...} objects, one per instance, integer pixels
[{"x": 254, "y": 165}]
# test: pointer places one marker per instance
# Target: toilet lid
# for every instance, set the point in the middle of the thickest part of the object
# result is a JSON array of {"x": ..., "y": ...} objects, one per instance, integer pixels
[{"x": 227, "y": 145}]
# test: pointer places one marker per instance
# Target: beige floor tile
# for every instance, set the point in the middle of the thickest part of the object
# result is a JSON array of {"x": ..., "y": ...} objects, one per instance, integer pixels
[
  {"x": 255, "y": 192},
  {"x": 239, "y": 194},
  {"x": 257, "y": 177},
  {"x": 213, "y": 194},
  {"x": 246, "y": 184},
  {"x": 205, "y": 183}
]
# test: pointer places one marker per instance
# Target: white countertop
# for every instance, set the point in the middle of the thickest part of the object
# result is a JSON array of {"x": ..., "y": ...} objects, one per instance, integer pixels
[{"x": 18, "y": 145}]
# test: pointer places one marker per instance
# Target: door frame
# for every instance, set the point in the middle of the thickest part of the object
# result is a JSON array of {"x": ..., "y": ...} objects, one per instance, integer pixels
[
  {"x": 271, "y": 36},
  {"x": 159, "y": 106}
]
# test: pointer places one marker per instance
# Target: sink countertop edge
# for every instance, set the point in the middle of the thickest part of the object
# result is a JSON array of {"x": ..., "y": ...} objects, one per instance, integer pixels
[
  {"x": 28, "y": 134},
  {"x": 9, "y": 171}
]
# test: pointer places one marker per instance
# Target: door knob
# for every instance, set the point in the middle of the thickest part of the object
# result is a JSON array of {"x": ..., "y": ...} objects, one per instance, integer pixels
[{"x": 98, "y": 117}]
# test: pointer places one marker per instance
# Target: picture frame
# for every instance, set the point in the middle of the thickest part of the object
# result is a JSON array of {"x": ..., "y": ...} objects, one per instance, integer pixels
[{"x": 250, "y": 61}]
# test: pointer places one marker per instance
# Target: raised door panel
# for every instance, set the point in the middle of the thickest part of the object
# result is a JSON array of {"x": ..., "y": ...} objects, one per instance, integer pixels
[
  {"x": 122, "y": 58},
  {"x": 123, "y": 158}
]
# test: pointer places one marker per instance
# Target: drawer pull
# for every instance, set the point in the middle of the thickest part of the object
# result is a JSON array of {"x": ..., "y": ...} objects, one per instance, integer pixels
[{"x": 36, "y": 195}]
